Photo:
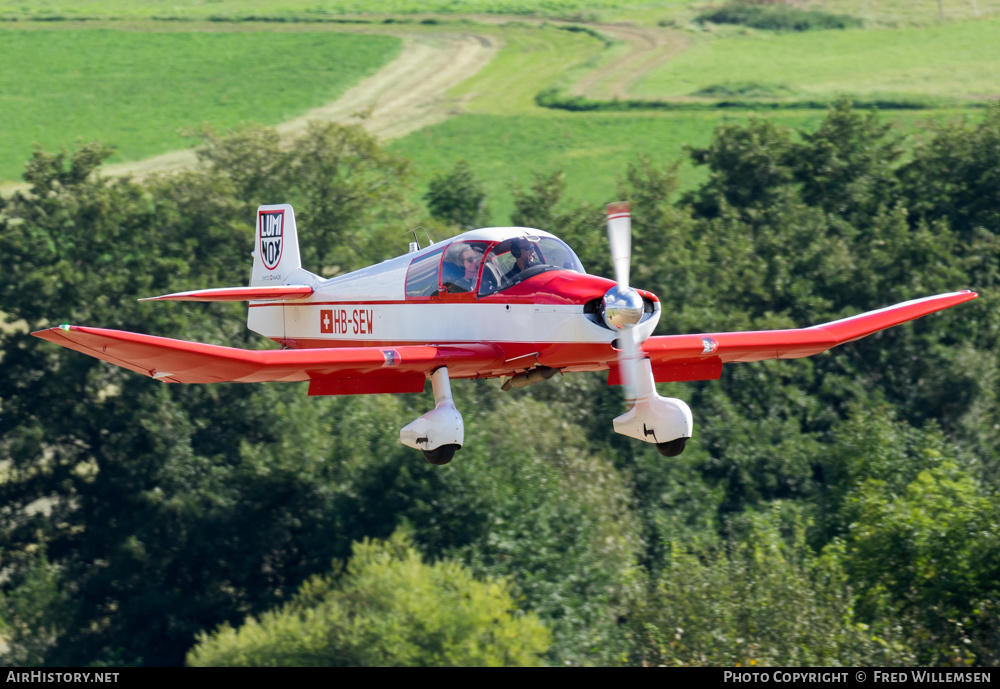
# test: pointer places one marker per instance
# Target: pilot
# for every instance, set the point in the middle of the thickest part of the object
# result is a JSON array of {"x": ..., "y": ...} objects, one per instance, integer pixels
[{"x": 523, "y": 252}]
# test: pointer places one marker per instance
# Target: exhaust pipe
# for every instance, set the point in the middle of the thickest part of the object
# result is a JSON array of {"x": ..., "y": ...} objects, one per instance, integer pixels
[{"x": 535, "y": 375}]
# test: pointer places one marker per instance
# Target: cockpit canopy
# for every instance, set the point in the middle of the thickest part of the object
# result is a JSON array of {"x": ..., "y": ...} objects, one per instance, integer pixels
[{"x": 485, "y": 267}]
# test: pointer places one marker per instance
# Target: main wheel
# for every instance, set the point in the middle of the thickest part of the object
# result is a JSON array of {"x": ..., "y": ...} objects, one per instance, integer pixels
[
  {"x": 441, "y": 455},
  {"x": 672, "y": 448}
]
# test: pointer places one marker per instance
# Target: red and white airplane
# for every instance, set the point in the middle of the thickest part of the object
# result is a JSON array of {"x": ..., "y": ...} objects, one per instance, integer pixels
[{"x": 507, "y": 302}]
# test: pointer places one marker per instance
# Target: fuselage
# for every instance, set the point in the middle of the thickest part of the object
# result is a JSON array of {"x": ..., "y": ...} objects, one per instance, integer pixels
[{"x": 520, "y": 290}]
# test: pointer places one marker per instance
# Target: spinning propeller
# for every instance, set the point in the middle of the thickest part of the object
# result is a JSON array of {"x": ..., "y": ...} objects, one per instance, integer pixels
[
  {"x": 664, "y": 421},
  {"x": 622, "y": 305}
]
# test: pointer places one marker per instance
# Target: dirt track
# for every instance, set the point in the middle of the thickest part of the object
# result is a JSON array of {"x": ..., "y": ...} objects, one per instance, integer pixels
[
  {"x": 409, "y": 93},
  {"x": 646, "y": 48},
  {"x": 405, "y": 95}
]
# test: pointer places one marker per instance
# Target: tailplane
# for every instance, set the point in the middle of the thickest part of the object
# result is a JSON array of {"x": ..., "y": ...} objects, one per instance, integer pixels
[
  {"x": 277, "y": 266},
  {"x": 276, "y": 246}
]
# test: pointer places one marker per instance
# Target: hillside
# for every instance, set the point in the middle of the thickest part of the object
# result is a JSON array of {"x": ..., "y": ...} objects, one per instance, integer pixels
[{"x": 835, "y": 510}]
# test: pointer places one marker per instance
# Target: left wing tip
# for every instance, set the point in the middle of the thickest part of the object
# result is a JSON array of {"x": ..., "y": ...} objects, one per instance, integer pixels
[{"x": 65, "y": 327}]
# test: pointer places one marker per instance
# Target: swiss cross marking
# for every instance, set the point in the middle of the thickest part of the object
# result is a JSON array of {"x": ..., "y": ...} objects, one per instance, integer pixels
[{"x": 347, "y": 322}]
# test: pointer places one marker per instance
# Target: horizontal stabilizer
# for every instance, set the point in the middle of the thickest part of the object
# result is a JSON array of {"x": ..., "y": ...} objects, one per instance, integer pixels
[
  {"x": 180, "y": 361},
  {"x": 277, "y": 292},
  {"x": 700, "y": 357}
]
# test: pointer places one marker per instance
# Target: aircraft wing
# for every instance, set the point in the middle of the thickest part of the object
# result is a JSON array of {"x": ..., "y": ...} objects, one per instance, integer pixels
[
  {"x": 281, "y": 292},
  {"x": 331, "y": 371},
  {"x": 700, "y": 357}
]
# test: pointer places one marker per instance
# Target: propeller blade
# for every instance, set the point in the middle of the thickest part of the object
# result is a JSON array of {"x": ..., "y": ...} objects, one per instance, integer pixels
[
  {"x": 620, "y": 238},
  {"x": 628, "y": 364}
]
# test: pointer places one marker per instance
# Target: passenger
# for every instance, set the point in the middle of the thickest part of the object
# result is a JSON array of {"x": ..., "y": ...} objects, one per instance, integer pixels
[
  {"x": 470, "y": 262},
  {"x": 467, "y": 260},
  {"x": 523, "y": 252}
]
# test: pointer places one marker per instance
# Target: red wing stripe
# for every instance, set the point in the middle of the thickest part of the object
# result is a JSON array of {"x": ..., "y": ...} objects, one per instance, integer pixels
[
  {"x": 800, "y": 342},
  {"x": 238, "y": 294},
  {"x": 195, "y": 362}
]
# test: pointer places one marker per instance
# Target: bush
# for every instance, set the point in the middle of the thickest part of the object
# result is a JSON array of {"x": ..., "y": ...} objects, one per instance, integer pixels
[
  {"x": 387, "y": 608},
  {"x": 764, "y": 598},
  {"x": 777, "y": 18}
]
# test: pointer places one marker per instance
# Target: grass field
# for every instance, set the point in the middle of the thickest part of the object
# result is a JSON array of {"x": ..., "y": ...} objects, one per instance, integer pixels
[
  {"x": 532, "y": 59},
  {"x": 504, "y": 134},
  {"x": 592, "y": 149},
  {"x": 134, "y": 89},
  {"x": 877, "y": 12},
  {"x": 957, "y": 60},
  {"x": 318, "y": 9},
  {"x": 906, "y": 12}
]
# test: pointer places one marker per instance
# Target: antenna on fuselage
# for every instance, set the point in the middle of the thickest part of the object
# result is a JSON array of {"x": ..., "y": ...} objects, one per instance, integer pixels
[{"x": 415, "y": 244}]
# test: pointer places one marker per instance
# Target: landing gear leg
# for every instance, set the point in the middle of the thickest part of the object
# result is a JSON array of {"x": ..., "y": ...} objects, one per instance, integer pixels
[
  {"x": 440, "y": 432},
  {"x": 663, "y": 421}
]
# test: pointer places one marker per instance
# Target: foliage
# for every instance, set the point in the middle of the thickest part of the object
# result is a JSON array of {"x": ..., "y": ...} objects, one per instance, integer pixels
[
  {"x": 777, "y": 17},
  {"x": 32, "y": 612},
  {"x": 939, "y": 533},
  {"x": 137, "y": 476},
  {"x": 350, "y": 191},
  {"x": 169, "y": 488},
  {"x": 762, "y": 599},
  {"x": 834, "y": 509},
  {"x": 748, "y": 97},
  {"x": 387, "y": 608},
  {"x": 458, "y": 198},
  {"x": 954, "y": 176},
  {"x": 540, "y": 507}
]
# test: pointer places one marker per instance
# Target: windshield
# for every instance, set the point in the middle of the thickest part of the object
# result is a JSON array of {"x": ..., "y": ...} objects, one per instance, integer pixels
[{"x": 513, "y": 260}]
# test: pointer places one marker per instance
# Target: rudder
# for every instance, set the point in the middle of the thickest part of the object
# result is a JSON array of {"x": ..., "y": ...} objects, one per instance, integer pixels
[{"x": 276, "y": 247}]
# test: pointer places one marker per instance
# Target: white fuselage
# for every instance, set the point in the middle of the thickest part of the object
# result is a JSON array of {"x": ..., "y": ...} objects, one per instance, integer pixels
[{"x": 370, "y": 307}]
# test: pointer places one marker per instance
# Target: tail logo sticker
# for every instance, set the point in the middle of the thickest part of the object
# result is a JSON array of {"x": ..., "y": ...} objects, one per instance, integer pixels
[{"x": 271, "y": 227}]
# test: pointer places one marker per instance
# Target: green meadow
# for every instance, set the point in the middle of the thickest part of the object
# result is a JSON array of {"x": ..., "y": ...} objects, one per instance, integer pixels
[
  {"x": 506, "y": 137},
  {"x": 593, "y": 150},
  {"x": 135, "y": 89},
  {"x": 907, "y": 12},
  {"x": 318, "y": 9},
  {"x": 532, "y": 59},
  {"x": 955, "y": 60},
  {"x": 877, "y": 12}
]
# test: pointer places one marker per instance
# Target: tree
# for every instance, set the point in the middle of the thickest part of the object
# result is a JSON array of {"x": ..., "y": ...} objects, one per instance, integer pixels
[
  {"x": 350, "y": 194},
  {"x": 749, "y": 166},
  {"x": 954, "y": 175},
  {"x": 762, "y": 597},
  {"x": 387, "y": 607},
  {"x": 847, "y": 166},
  {"x": 458, "y": 197},
  {"x": 152, "y": 497},
  {"x": 929, "y": 554}
]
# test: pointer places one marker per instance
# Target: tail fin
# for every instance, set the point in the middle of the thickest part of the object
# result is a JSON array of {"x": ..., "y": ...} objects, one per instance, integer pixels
[{"x": 276, "y": 247}]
